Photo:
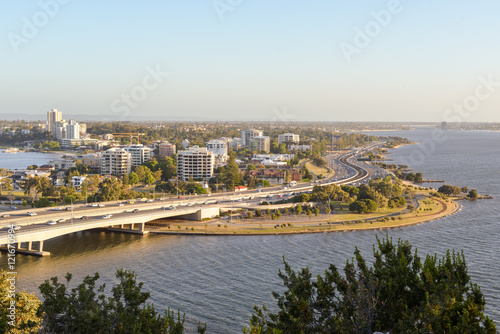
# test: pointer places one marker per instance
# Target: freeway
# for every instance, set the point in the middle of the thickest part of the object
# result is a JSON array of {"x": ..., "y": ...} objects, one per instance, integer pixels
[{"x": 88, "y": 215}]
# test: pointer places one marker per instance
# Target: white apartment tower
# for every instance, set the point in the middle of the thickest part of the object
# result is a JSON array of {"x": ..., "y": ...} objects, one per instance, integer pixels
[
  {"x": 195, "y": 162},
  {"x": 219, "y": 147},
  {"x": 139, "y": 154},
  {"x": 115, "y": 161}
]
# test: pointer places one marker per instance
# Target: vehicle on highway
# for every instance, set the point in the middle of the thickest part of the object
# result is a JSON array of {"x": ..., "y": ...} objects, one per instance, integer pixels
[
  {"x": 107, "y": 216},
  {"x": 239, "y": 200},
  {"x": 5, "y": 216},
  {"x": 13, "y": 207},
  {"x": 84, "y": 217},
  {"x": 135, "y": 211},
  {"x": 29, "y": 213},
  {"x": 16, "y": 228},
  {"x": 130, "y": 202},
  {"x": 101, "y": 205},
  {"x": 56, "y": 209},
  {"x": 121, "y": 204},
  {"x": 51, "y": 222},
  {"x": 94, "y": 205},
  {"x": 61, "y": 220},
  {"x": 69, "y": 208},
  {"x": 217, "y": 202},
  {"x": 179, "y": 197},
  {"x": 269, "y": 196},
  {"x": 149, "y": 201},
  {"x": 171, "y": 207},
  {"x": 190, "y": 204}
]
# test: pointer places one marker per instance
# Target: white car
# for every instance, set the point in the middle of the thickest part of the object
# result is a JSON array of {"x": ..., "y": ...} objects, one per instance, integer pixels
[
  {"x": 57, "y": 209},
  {"x": 149, "y": 201},
  {"x": 107, "y": 216},
  {"x": 16, "y": 228},
  {"x": 101, "y": 205},
  {"x": 52, "y": 222},
  {"x": 171, "y": 207},
  {"x": 60, "y": 220},
  {"x": 121, "y": 204},
  {"x": 29, "y": 213}
]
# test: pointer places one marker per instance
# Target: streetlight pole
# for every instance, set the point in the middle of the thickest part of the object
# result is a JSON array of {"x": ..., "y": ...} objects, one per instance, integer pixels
[{"x": 71, "y": 209}]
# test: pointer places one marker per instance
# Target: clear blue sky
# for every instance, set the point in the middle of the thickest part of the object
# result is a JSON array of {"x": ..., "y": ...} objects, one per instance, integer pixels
[{"x": 262, "y": 56}]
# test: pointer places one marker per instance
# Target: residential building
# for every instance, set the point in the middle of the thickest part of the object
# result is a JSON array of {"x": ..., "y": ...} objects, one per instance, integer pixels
[
  {"x": 53, "y": 116},
  {"x": 72, "y": 130},
  {"x": 288, "y": 138},
  {"x": 294, "y": 147},
  {"x": 166, "y": 149},
  {"x": 248, "y": 135},
  {"x": 139, "y": 154},
  {"x": 219, "y": 148},
  {"x": 63, "y": 163},
  {"x": 185, "y": 144},
  {"x": 275, "y": 176},
  {"x": 77, "y": 181},
  {"x": 115, "y": 161},
  {"x": 260, "y": 144},
  {"x": 195, "y": 162},
  {"x": 91, "y": 159}
]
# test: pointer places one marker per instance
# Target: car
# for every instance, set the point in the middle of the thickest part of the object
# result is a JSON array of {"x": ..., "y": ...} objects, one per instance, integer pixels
[
  {"x": 239, "y": 200},
  {"x": 29, "y": 213},
  {"x": 259, "y": 190},
  {"x": 121, "y": 204},
  {"x": 190, "y": 204},
  {"x": 217, "y": 202},
  {"x": 130, "y": 202},
  {"x": 101, "y": 205},
  {"x": 69, "y": 208},
  {"x": 5, "y": 216},
  {"x": 208, "y": 195},
  {"x": 251, "y": 197},
  {"x": 225, "y": 217},
  {"x": 13, "y": 207},
  {"x": 94, "y": 205},
  {"x": 56, "y": 209},
  {"x": 16, "y": 228},
  {"x": 83, "y": 217},
  {"x": 107, "y": 216},
  {"x": 61, "y": 220},
  {"x": 149, "y": 201},
  {"x": 135, "y": 211},
  {"x": 51, "y": 222},
  {"x": 269, "y": 196}
]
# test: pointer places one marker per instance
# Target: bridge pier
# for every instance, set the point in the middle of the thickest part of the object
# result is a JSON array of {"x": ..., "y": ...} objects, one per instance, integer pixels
[
  {"x": 131, "y": 228},
  {"x": 28, "y": 250}
]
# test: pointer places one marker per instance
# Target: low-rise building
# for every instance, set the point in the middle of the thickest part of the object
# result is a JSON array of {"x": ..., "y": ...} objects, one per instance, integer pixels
[
  {"x": 166, "y": 149},
  {"x": 294, "y": 147},
  {"x": 77, "y": 181},
  {"x": 288, "y": 138}
]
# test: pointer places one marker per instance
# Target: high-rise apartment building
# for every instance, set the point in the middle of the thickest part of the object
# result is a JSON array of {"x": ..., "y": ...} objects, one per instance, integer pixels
[
  {"x": 248, "y": 135},
  {"x": 260, "y": 144},
  {"x": 166, "y": 149},
  {"x": 139, "y": 154},
  {"x": 115, "y": 161},
  {"x": 219, "y": 147},
  {"x": 53, "y": 116},
  {"x": 195, "y": 162}
]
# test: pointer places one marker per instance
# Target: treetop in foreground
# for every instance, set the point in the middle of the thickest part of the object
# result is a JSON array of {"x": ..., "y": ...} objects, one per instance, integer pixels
[{"x": 397, "y": 294}]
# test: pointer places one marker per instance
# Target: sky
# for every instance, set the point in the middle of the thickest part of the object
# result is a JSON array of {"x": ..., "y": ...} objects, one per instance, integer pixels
[{"x": 267, "y": 60}]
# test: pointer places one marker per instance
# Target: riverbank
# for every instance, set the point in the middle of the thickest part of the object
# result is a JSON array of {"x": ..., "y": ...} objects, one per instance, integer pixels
[{"x": 428, "y": 209}]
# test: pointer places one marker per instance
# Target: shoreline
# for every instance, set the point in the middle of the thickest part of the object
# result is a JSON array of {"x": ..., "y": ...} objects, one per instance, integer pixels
[{"x": 324, "y": 227}]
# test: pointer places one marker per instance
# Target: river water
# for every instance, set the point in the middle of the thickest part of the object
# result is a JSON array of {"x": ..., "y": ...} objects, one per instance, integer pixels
[
  {"x": 218, "y": 279},
  {"x": 21, "y": 160}
]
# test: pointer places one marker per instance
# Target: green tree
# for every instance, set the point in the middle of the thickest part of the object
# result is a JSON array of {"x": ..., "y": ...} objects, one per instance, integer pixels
[
  {"x": 397, "y": 294},
  {"x": 473, "y": 194},
  {"x": 149, "y": 178},
  {"x": 35, "y": 185},
  {"x": 230, "y": 174},
  {"x": 449, "y": 190},
  {"x": 298, "y": 210},
  {"x": 25, "y": 318},
  {"x": 110, "y": 190},
  {"x": 133, "y": 178},
  {"x": 87, "y": 309}
]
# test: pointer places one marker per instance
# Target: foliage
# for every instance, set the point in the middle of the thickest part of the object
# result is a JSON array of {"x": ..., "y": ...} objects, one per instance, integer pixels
[
  {"x": 473, "y": 194},
  {"x": 397, "y": 202},
  {"x": 35, "y": 183},
  {"x": 449, "y": 190},
  {"x": 397, "y": 294},
  {"x": 110, "y": 189},
  {"x": 26, "y": 319},
  {"x": 85, "y": 309},
  {"x": 230, "y": 174},
  {"x": 363, "y": 206}
]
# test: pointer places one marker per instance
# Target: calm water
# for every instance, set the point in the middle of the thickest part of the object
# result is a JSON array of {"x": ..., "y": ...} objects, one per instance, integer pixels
[
  {"x": 218, "y": 279},
  {"x": 21, "y": 160}
]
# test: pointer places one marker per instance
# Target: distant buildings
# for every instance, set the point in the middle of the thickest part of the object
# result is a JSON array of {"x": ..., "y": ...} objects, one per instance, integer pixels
[
  {"x": 166, "y": 149},
  {"x": 288, "y": 138},
  {"x": 276, "y": 176},
  {"x": 116, "y": 161},
  {"x": 195, "y": 162},
  {"x": 185, "y": 144},
  {"x": 248, "y": 135},
  {"x": 62, "y": 129},
  {"x": 272, "y": 159},
  {"x": 138, "y": 154},
  {"x": 260, "y": 144}
]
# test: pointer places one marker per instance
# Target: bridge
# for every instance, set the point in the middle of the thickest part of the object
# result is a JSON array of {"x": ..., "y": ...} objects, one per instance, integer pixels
[{"x": 131, "y": 216}]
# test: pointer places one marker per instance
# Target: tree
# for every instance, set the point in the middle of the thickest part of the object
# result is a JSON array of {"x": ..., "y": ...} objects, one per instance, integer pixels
[
  {"x": 35, "y": 185},
  {"x": 230, "y": 174},
  {"x": 397, "y": 294},
  {"x": 363, "y": 205},
  {"x": 473, "y": 194},
  {"x": 86, "y": 310},
  {"x": 5, "y": 181},
  {"x": 110, "y": 190},
  {"x": 25, "y": 318},
  {"x": 149, "y": 178},
  {"x": 133, "y": 178},
  {"x": 298, "y": 209},
  {"x": 449, "y": 190}
]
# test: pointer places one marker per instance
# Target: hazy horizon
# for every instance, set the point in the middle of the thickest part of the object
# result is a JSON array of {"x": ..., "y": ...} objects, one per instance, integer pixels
[{"x": 386, "y": 61}]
